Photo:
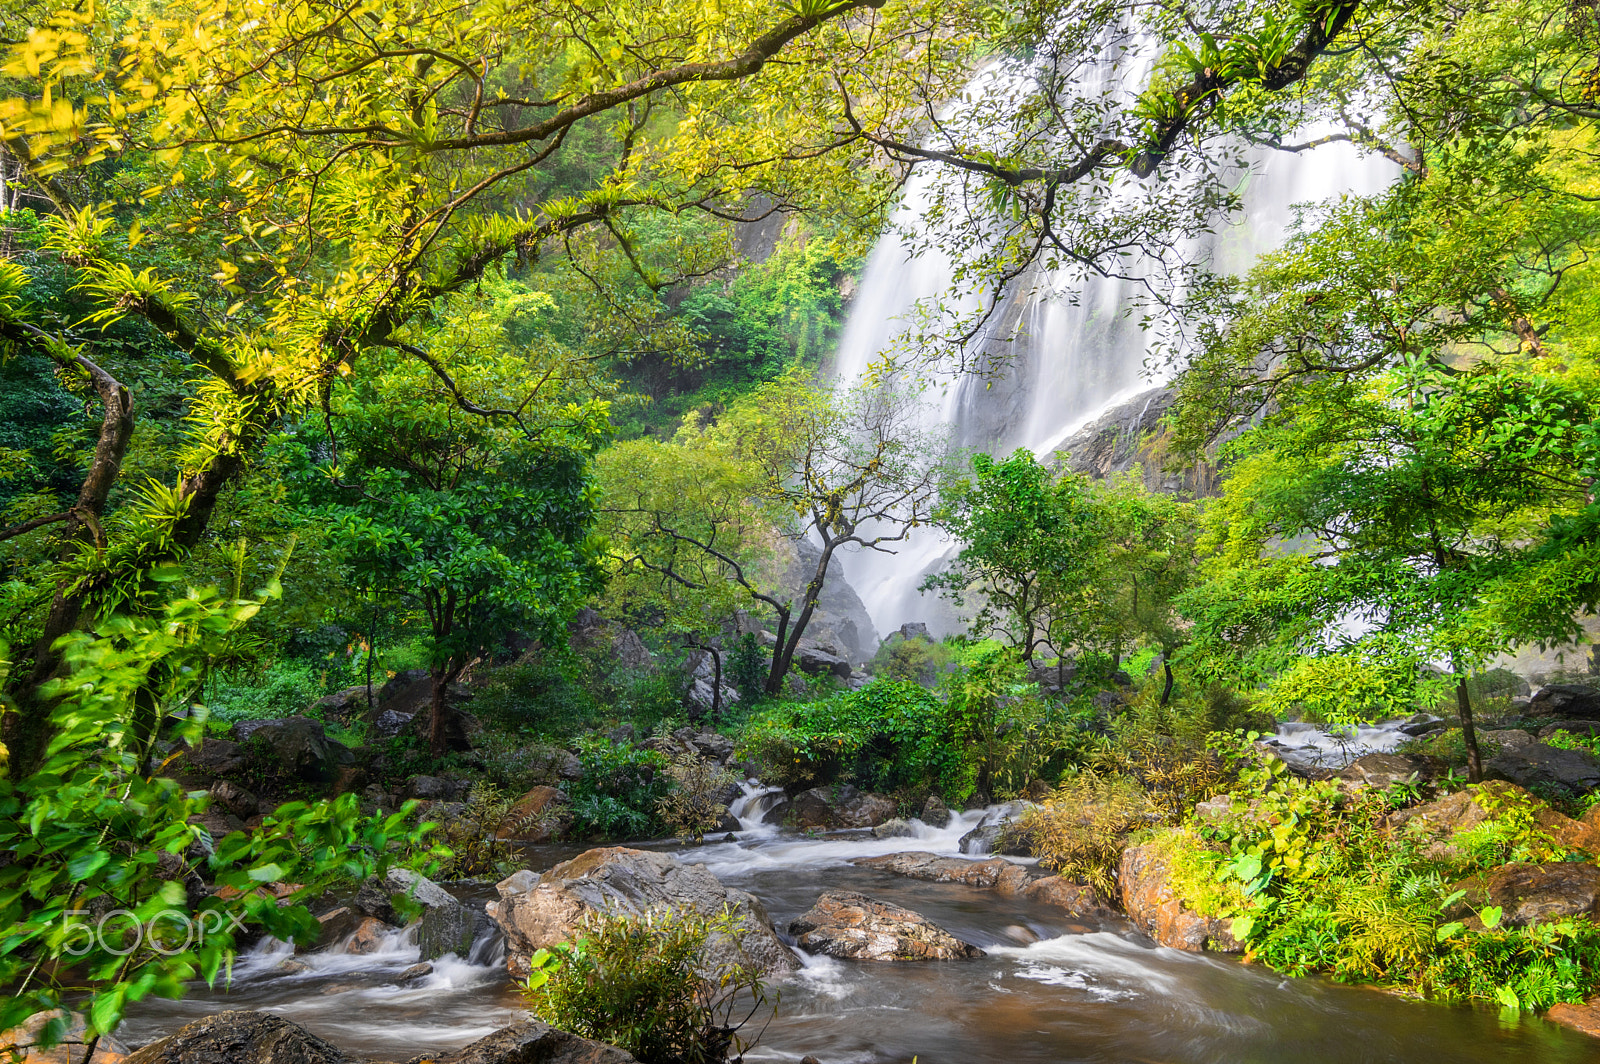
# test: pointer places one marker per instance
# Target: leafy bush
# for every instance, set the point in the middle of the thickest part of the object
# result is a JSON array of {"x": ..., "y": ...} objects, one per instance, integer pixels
[
  {"x": 1315, "y": 882},
  {"x": 620, "y": 789},
  {"x": 534, "y": 698},
  {"x": 1080, "y": 830},
  {"x": 885, "y": 735},
  {"x": 91, "y": 829},
  {"x": 694, "y": 806},
  {"x": 638, "y": 982},
  {"x": 914, "y": 660}
]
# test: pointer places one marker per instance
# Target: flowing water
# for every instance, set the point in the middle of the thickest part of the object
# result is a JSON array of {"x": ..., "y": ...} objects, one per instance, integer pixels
[{"x": 1050, "y": 990}]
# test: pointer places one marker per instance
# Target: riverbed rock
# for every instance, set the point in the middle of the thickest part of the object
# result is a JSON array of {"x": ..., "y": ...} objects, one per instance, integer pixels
[
  {"x": 448, "y": 925},
  {"x": 1584, "y": 1018},
  {"x": 996, "y": 874},
  {"x": 531, "y": 1042},
  {"x": 1568, "y": 700},
  {"x": 935, "y": 813},
  {"x": 346, "y": 704},
  {"x": 855, "y": 927},
  {"x": 898, "y": 828},
  {"x": 831, "y": 808},
  {"x": 368, "y": 938},
  {"x": 535, "y": 817},
  {"x": 1533, "y": 893},
  {"x": 617, "y": 879},
  {"x": 1474, "y": 805},
  {"x": 1548, "y": 769},
  {"x": 817, "y": 661},
  {"x": 1156, "y": 909},
  {"x": 70, "y": 1048},
  {"x": 240, "y": 1037}
]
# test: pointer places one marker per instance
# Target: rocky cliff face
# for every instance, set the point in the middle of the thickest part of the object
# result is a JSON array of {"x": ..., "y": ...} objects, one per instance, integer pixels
[
  {"x": 1122, "y": 437},
  {"x": 841, "y": 618}
]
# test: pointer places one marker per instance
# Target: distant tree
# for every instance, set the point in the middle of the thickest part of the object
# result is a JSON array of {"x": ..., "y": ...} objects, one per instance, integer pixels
[{"x": 696, "y": 524}]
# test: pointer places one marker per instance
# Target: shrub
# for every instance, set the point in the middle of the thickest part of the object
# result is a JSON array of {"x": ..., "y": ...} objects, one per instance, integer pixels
[
  {"x": 618, "y": 792},
  {"x": 536, "y": 698},
  {"x": 1079, "y": 831},
  {"x": 694, "y": 806},
  {"x": 885, "y": 735},
  {"x": 638, "y": 983}
]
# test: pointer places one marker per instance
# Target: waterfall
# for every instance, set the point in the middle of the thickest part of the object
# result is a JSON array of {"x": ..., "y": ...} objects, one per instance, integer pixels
[{"x": 1076, "y": 350}]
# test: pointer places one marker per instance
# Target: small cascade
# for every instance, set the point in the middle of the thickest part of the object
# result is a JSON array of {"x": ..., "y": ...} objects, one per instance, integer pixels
[
  {"x": 1334, "y": 748},
  {"x": 752, "y": 804}
]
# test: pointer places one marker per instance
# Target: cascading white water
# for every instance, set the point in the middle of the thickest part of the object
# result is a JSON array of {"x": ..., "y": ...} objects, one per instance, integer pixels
[{"x": 1078, "y": 351}]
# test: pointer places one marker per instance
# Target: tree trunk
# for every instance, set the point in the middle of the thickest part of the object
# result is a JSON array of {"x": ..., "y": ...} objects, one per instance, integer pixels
[
  {"x": 1166, "y": 692},
  {"x": 783, "y": 653},
  {"x": 26, "y": 730},
  {"x": 1469, "y": 734},
  {"x": 439, "y": 716}
]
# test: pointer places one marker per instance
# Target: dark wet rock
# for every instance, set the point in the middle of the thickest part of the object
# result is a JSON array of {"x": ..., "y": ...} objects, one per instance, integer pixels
[
  {"x": 817, "y": 661},
  {"x": 218, "y": 823},
  {"x": 1569, "y": 701},
  {"x": 295, "y": 747},
  {"x": 729, "y": 823},
  {"x": 198, "y": 766},
  {"x": 855, "y": 927},
  {"x": 234, "y": 799},
  {"x": 1422, "y": 724},
  {"x": 617, "y": 879},
  {"x": 240, "y": 1038},
  {"x": 713, "y": 746},
  {"x": 1479, "y": 803},
  {"x": 432, "y": 788},
  {"x": 449, "y": 929},
  {"x": 347, "y": 704},
  {"x": 831, "y": 808},
  {"x": 1532, "y": 893},
  {"x": 531, "y": 1042},
  {"x": 1546, "y": 769},
  {"x": 388, "y": 723},
  {"x": 1382, "y": 770},
  {"x": 897, "y": 828},
  {"x": 990, "y": 836},
  {"x": 935, "y": 813},
  {"x": 1156, "y": 909}
]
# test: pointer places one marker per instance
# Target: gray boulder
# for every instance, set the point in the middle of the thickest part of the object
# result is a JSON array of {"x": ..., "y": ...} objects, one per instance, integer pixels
[
  {"x": 815, "y": 660},
  {"x": 831, "y": 808},
  {"x": 447, "y": 924},
  {"x": 853, "y": 926},
  {"x": 1546, "y": 769},
  {"x": 935, "y": 813},
  {"x": 984, "y": 838},
  {"x": 1566, "y": 700},
  {"x": 295, "y": 746},
  {"x": 240, "y": 1038},
  {"x": 620, "y": 880}
]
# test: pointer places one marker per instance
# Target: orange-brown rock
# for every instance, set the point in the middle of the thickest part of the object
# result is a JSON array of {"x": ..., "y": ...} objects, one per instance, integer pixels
[
  {"x": 1584, "y": 1018},
  {"x": 855, "y": 927},
  {"x": 1460, "y": 811},
  {"x": 1157, "y": 910},
  {"x": 996, "y": 874},
  {"x": 368, "y": 936},
  {"x": 20, "y": 1044},
  {"x": 1533, "y": 893},
  {"x": 535, "y": 817}
]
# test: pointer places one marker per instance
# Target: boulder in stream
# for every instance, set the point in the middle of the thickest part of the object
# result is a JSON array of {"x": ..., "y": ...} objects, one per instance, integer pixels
[
  {"x": 531, "y": 1042},
  {"x": 986, "y": 837},
  {"x": 1156, "y": 909},
  {"x": 996, "y": 874},
  {"x": 1584, "y": 1018},
  {"x": 240, "y": 1038},
  {"x": 617, "y": 879},
  {"x": 448, "y": 925},
  {"x": 831, "y": 808},
  {"x": 855, "y": 927}
]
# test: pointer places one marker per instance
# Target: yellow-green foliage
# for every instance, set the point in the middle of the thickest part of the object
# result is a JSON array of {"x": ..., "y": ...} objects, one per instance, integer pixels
[
  {"x": 1079, "y": 831},
  {"x": 692, "y": 807}
]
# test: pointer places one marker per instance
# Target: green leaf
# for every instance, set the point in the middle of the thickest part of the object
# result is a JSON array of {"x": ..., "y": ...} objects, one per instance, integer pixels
[
  {"x": 267, "y": 873},
  {"x": 1490, "y": 915}
]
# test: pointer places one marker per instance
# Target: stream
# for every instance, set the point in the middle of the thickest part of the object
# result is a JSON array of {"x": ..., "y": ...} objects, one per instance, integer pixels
[{"x": 1051, "y": 989}]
